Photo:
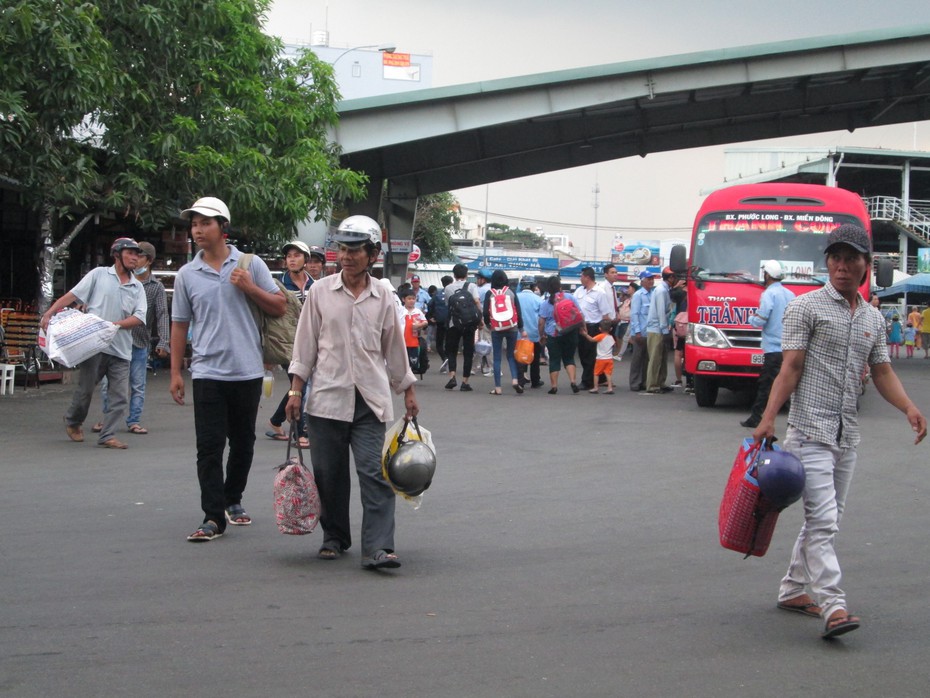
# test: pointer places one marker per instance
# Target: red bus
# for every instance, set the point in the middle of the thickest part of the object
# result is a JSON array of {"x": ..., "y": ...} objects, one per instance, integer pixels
[{"x": 735, "y": 230}]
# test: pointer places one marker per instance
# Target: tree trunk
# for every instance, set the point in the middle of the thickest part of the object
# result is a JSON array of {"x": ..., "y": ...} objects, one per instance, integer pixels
[{"x": 49, "y": 252}]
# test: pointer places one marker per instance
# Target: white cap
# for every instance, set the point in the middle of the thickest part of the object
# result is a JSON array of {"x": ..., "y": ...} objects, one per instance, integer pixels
[
  {"x": 773, "y": 268},
  {"x": 207, "y": 206}
]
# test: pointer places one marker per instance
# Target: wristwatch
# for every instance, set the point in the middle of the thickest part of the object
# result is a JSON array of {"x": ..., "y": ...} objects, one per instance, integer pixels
[{"x": 294, "y": 393}]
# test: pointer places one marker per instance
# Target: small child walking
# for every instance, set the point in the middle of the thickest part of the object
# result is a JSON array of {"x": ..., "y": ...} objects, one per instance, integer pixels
[
  {"x": 895, "y": 338},
  {"x": 604, "y": 363},
  {"x": 910, "y": 340}
]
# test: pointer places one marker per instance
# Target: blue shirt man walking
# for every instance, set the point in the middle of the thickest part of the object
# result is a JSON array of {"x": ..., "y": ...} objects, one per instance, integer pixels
[{"x": 769, "y": 317}]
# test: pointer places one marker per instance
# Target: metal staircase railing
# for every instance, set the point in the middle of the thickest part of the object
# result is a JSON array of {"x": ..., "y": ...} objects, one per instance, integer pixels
[{"x": 914, "y": 219}]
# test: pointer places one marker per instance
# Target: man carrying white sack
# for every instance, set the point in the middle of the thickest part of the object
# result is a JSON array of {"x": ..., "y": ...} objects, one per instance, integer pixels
[{"x": 115, "y": 295}]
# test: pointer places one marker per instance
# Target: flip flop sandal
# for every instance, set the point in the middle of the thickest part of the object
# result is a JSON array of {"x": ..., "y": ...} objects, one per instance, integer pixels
[
  {"x": 137, "y": 429},
  {"x": 112, "y": 443},
  {"x": 236, "y": 516},
  {"x": 208, "y": 531},
  {"x": 97, "y": 428},
  {"x": 271, "y": 434},
  {"x": 808, "y": 609},
  {"x": 382, "y": 559},
  {"x": 327, "y": 553},
  {"x": 839, "y": 626}
]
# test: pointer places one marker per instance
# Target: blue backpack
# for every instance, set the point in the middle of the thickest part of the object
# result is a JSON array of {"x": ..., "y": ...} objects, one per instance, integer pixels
[{"x": 437, "y": 309}]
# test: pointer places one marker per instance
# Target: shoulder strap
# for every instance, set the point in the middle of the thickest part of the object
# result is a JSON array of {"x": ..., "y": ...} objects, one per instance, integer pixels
[{"x": 245, "y": 260}]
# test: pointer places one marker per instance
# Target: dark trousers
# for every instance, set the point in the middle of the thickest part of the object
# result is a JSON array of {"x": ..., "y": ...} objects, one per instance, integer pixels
[
  {"x": 279, "y": 417},
  {"x": 534, "y": 367},
  {"x": 771, "y": 365},
  {"x": 466, "y": 336},
  {"x": 638, "y": 363},
  {"x": 587, "y": 354},
  {"x": 330, "y": 440},
  {"x": 441, "y": 340},
  {"x": 224, "y": 410}
]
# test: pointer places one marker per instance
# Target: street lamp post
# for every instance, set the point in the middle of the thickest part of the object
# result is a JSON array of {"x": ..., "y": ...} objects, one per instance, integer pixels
[{"x": 383, "y": 48}]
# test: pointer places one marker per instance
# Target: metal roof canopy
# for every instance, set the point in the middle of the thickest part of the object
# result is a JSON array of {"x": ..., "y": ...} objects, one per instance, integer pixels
[{"x": 453, "y": 137}]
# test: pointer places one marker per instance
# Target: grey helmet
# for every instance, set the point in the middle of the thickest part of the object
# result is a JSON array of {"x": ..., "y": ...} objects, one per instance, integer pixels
[{"x": 410, "y": 469}]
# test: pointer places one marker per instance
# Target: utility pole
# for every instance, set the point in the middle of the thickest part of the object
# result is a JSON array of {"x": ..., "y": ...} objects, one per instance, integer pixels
[{"x": 596, "y": 191}]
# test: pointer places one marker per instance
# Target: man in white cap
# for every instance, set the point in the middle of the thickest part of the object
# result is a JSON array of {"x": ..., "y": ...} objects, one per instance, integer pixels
[
  {"x": 775, "y": 298},
  {"x": 213, "y": 292}
]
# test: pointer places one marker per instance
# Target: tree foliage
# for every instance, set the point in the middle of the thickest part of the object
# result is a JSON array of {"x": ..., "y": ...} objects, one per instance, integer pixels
[
  {"x": 527, "y": 238},
  {"x": 140, "y": 108},
  {"x": 437, "y": 217}
]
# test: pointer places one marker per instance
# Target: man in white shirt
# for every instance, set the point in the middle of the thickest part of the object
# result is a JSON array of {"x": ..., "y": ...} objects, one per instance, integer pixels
[
  {"x": 595, "y": 307},
  {"x": 355, "y": 367}
]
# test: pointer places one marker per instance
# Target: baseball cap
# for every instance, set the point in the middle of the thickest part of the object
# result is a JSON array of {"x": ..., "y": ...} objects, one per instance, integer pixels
[
  {"x": 414, "y": 278},
  {"x": 852, "y": 235},
  {"x": 148, "y": 249},
  {"x": 646, "y": 274},
  {"x": 773, "y": 268}
]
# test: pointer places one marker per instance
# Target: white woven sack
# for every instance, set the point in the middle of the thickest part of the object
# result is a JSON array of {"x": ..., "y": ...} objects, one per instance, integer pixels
[{"x": 73, "y": 336}]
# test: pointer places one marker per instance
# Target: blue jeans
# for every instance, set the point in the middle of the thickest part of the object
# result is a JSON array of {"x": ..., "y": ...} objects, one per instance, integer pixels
[
  {"x": 497, "y": 341},
  {"x": 137, "y": 375}
]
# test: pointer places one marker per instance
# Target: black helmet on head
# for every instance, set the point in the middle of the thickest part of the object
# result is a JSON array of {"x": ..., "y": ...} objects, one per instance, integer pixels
[{"x": 121, "y": 244}]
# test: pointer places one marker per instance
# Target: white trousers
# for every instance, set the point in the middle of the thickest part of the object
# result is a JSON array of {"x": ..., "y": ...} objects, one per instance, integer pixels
[{"x": 814, "y": 567}]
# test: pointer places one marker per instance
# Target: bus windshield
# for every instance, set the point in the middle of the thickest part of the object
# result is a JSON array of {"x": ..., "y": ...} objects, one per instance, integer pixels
[{"x": 731, "y": 245}]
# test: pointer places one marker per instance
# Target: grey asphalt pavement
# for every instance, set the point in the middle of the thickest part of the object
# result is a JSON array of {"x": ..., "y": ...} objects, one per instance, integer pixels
[{"x": 567, "y": 547}]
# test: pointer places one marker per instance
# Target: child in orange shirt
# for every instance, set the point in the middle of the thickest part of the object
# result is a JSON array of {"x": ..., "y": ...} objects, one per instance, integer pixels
[
  {"x": 604, "y": 363},
  {"x": 414, "y": 321}
]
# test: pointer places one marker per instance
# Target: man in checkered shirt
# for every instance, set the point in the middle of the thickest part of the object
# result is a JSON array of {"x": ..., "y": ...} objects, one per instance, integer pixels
[{"x": 829, "y": 336}]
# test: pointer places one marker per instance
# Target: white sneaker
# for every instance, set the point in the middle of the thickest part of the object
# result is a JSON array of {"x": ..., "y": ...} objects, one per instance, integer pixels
[{"x": 618, "y": 358}]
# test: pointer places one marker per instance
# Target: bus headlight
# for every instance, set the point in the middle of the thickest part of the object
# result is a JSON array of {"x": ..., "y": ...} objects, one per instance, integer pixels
[{"x": 707, "y": 336}]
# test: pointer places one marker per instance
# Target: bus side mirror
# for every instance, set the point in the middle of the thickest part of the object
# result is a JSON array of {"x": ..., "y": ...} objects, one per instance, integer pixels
[
  {"x": 884, "y": 272},
  {"x": 678, "y": 259}
]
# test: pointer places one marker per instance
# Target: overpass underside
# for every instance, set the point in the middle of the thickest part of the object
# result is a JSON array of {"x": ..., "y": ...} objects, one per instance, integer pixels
[{"x": 449, "y": 138}]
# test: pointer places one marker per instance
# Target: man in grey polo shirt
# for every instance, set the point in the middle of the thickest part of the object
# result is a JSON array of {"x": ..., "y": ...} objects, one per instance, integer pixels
[
  {"x": 829, "y": 336},
  {"x": 113, "y": 294},
  {"x": 213, "y": 293}
]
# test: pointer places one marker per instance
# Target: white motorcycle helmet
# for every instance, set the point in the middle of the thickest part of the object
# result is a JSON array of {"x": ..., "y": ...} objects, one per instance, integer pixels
[{"x": 357, "y": 230}]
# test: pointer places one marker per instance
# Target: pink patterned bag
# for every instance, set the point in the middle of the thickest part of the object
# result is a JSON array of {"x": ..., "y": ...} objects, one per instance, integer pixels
[{"x": 296, "y": 499}]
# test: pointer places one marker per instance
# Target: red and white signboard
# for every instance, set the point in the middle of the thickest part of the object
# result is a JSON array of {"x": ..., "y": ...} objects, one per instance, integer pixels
[{"x": 414, "y": 254}]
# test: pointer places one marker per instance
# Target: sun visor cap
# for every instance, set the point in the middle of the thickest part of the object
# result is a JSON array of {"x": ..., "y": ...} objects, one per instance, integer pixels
[
  {"x": 851, "y": 235},
  {"x": 207, "y": 206}
]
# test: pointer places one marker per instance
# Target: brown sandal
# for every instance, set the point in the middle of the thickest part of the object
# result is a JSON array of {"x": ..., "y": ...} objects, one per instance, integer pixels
[{"x": 137, "y": 429}]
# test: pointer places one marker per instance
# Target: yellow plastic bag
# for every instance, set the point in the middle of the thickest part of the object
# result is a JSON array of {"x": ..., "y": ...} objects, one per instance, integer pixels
[{"x": 392, "y": 439}]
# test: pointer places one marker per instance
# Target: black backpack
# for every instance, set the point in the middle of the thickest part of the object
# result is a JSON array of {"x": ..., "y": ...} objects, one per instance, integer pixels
[
  {"x": 463, "y": 313},
  {"x": 437, "y": 309}
]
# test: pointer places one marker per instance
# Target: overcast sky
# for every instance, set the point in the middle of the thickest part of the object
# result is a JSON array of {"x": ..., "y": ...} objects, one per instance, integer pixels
[{"x": 654, "y": 197}]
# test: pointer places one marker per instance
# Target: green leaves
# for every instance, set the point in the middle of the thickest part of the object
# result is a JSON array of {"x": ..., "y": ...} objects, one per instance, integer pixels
[{"x": 142, "y": 107}]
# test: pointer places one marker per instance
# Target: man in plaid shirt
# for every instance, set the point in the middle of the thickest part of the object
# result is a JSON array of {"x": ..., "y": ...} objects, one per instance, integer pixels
[{"x": 829, "y": 336}]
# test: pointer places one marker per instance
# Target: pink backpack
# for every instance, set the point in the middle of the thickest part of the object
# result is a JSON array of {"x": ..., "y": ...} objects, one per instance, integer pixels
[
  {"x": 503, "y": 314},
  {"x": 567, "y": 314}
]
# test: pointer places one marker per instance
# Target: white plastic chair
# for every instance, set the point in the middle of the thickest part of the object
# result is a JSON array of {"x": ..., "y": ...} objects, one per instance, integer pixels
[{"x": 7, "y": 378}]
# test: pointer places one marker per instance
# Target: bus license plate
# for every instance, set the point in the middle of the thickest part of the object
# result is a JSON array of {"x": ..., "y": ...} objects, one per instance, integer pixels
[{"x": 757, "y": 359}]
